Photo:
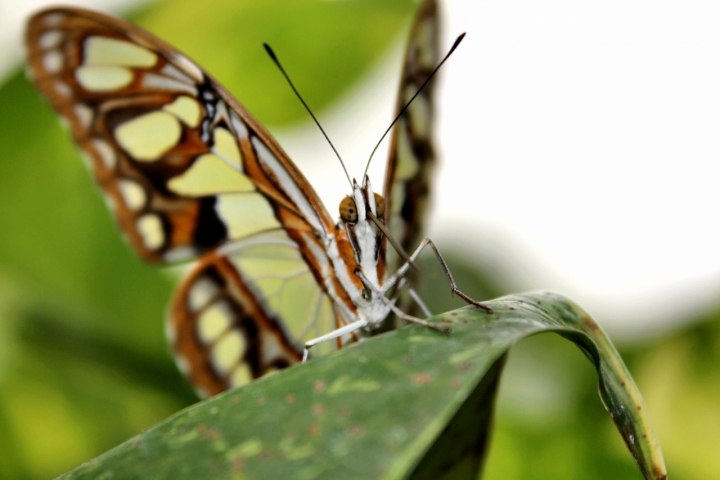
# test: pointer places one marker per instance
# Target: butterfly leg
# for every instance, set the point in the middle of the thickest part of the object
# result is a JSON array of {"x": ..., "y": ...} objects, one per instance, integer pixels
[
  {"x": 404, "y": 285},
  {"x": 394, "y": 308},
  {"x": 401, "y": 271},
  {"x": 351, "y": 327}
]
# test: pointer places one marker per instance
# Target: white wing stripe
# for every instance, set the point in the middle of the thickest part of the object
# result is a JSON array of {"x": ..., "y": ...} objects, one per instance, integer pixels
[{"x": 292, "y": 190}]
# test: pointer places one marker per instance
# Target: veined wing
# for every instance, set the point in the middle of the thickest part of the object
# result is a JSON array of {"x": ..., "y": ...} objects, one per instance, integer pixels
[
  {"x": 189, "y": 172},
  {"x": 412, "y": 157},
  {"x": 183, "y": 165},
  {"x": 246, "y": 310}
]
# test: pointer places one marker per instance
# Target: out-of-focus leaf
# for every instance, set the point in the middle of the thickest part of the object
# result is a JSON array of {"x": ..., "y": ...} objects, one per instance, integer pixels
[
  {"x": 324, "y": 46},
  {"x": 409, "y": 402},
  {"x": 680, "y": 377}
]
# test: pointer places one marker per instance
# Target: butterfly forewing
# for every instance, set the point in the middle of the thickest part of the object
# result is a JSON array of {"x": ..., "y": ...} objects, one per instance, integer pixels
[
  {"x": 412, "y": 157},
  {"x": 175, "y": 154}
]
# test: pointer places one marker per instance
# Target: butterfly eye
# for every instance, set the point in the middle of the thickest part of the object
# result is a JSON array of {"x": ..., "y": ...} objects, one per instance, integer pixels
[
  {"x": 348, "y": 210},
  {"x": 379, "y": 205}
]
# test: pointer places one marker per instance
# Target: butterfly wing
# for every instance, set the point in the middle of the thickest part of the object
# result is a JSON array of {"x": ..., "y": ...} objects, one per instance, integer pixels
[
  {"x": 412, "y": 157},
  {"x": 190, "y": 173},
  {"x": 245, "y": 312},
  {"x": 174, "y": 153}
]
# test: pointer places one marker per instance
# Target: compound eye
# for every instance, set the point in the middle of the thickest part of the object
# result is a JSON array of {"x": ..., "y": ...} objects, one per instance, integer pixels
[
  {"x": 379, "y": 205},
  {"x": 348, "y": 210}
]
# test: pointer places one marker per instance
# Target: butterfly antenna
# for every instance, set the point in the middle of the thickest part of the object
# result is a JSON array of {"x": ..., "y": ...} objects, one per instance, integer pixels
[
  {"x": 432, "y": 74},
  {"x": 277, "y": 62}
]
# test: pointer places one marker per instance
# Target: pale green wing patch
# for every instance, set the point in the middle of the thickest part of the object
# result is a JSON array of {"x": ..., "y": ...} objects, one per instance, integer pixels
[{"x": 286, "y": 283}]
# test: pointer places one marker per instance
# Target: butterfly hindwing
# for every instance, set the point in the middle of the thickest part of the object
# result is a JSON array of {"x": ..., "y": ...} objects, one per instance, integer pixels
[
  {"x": 246, "y": 310},
  {"x": 238, "y": 316}
]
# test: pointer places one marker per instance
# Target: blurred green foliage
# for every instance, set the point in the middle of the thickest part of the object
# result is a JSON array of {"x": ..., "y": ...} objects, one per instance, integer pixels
[
  {"x": 83, "y": 359},
  {"x": 550, "y": 425}
]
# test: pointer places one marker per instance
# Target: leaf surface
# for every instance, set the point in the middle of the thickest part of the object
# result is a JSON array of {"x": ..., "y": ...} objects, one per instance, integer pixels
[{"x": 408, "y": 403}]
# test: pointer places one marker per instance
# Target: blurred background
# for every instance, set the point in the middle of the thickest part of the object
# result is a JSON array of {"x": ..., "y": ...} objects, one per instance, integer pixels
[{"x": 579, "y": 154}]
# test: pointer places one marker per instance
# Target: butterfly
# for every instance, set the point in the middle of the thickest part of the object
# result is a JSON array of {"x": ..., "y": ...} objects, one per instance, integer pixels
[{"x": 190, "y": 174}]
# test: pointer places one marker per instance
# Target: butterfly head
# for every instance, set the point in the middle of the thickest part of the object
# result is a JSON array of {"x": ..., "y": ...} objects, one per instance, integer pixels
[
  {"x": 361, "y": 219},
  {"x": 362, "y": 224},
  {"x": 356, "y": 208}
]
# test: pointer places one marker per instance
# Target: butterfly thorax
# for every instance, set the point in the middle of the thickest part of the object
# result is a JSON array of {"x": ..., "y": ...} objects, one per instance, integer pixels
[{"x": 357, "y": 249}]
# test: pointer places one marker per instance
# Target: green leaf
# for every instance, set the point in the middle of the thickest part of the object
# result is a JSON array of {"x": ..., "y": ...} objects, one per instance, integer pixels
[{"x": 409, "y": 403}]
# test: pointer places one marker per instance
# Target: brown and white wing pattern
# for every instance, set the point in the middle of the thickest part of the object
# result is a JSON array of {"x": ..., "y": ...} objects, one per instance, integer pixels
[
  {"x": 173, "y": 152},
  {"x": 412, "y": 157},
  {"x": 189, "y": 173},
  {"x": 247, "y": 311}
]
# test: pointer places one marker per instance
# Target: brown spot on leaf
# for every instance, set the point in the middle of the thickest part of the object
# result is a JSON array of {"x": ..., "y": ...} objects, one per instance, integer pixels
[
  {"x": 456, "y": 383},
  {"x": 446, "y": 320},
  {"x": 262, "y": 400},
  {"x": 465, "y": 366},
  {"x": 590, "y": 323},
  {"x": 318, "y": 409},
  {"x": 319, "y": 386},
  {"x": 422, "y": 379},
  {"x": 356, "y": 430},
  {"x": 407, "y": 358},
  {"x": 237, "y": 464},
  {"x": 290, "y": 398},
  {"x": 234, "y": 400},
  {"x": 313, "y": 429},
  {"x": 211, "y": 434}
]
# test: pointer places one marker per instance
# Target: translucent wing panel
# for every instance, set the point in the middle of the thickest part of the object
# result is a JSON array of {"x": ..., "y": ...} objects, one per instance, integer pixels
[
  {"x": 283, "y": 279},
  {"x": 412, "y": 158},
  {"x": 245, "y": 313}
]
